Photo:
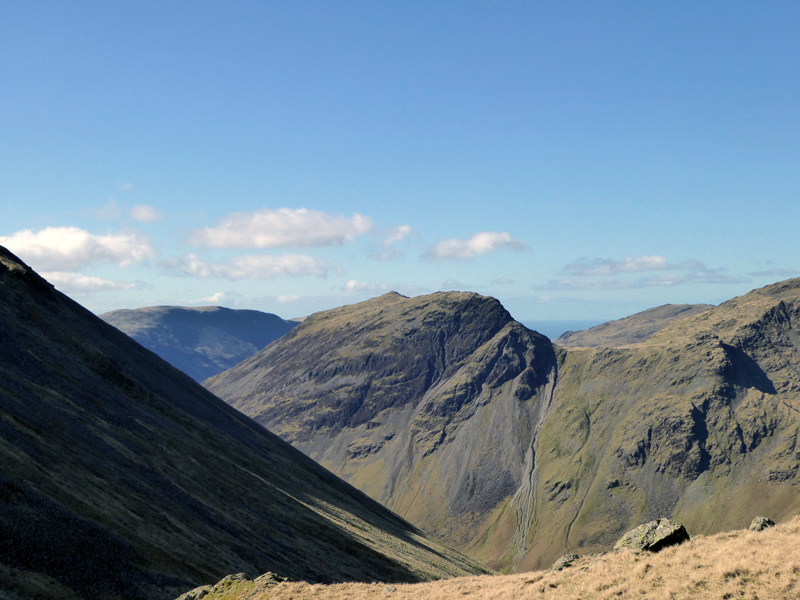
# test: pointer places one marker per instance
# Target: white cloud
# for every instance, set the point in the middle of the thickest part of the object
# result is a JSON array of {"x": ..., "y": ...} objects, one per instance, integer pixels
[
  {"x": 363, "y": 286},
  {"x": 397, "y": 234},
  {"x": 145, "y": 214},
  {"x": 605, "y": 266},
  {"x": 288, "y": 298},
  {"x": 251, "y": 266},
  {"x": 71, "y": 283},
  {"x": 71, "y": 248},
  {"x": 502, "y": 281},
  {"x": 220, "y": 298},
  {"x": 480, "y": 243},
  {"x": 281, "y": 228},
  {"x": 602, "y": 274}
]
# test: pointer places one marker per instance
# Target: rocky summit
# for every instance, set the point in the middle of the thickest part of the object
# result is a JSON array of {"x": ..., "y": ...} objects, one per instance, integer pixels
[
  {"x": 123, "y": 478},
  {"x": 516, "y": 450}
]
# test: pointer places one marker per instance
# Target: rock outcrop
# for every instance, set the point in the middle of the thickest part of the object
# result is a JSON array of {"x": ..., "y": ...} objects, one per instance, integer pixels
[
  {"x": 653, "y": 536},
  {"x": 761, "y": 523}
]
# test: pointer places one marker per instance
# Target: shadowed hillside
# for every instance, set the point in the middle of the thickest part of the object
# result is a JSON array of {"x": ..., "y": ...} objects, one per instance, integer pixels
[
  {"x": 485, "y": 434},
  {"x": 200, "y": 341},
  {"x": 123, "y": 478}
]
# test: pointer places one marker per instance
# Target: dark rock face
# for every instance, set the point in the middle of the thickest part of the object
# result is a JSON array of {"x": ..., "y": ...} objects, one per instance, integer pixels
[
  {"x": 653, "y": 536},
  {"x": 123, "y": 478},
  {"x": 200, "y": 341}
]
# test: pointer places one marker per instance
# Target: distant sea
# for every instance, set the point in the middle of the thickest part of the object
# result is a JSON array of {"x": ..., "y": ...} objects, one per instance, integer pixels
[{"x": 555, "y": 329}]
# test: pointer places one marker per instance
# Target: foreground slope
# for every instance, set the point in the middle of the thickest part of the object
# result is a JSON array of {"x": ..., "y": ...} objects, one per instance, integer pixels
[
  {"x": 730, "y": 565},
  {"x": 120, "y": 477},
  {"x": 201, "y": 341},
  {"x": 429, "y": 404},
  {"x": 514, "y": 450}
]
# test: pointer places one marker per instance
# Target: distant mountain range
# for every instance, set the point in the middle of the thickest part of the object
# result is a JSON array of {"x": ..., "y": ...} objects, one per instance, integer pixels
[
  {"x": 201, "y": 341},
  {"x": 513, "y": 449},
  {"x": 120, "y": 477}
]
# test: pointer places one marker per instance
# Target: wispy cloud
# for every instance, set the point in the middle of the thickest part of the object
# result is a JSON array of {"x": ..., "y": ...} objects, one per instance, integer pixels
[
  {"x": 288, "y": 298},
  {"x": 72, "y": 283},
  {"x": 71, "y": 248},
  {"x": 282, "y": 228},
  {"x": 776, "y": 273},
  {"x": 363, "y": 286},
  {"x": 109, "y": 211},
  {"x": 480, "y": 243},
  {"x": 502, "y": 281},
  {"x": 607, "y": 274},
  {"x": 397, "y": 234},
  {"x": 145, "y": 214},
  {"x": 605, "y": 266},
  {"x": 250, "y": 266}
]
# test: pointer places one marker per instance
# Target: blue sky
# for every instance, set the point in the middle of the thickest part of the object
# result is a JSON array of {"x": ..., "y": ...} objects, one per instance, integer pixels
[{"x": 576, "y": 160}]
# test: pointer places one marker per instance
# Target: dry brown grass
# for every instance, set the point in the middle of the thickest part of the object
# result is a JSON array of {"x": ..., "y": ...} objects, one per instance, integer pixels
[{"x": 734, "y": 565}]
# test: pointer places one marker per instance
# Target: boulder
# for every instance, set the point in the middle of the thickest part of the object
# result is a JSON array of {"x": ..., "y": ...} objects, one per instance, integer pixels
[
  {"x": 564, "y": 562},
  {"x": 653, "y": 536},
  {"x": 761, "y": 523},
  {"x": 196, "y": 594}
]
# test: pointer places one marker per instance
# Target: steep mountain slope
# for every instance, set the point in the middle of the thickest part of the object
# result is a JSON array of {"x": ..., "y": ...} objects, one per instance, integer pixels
[
  {"x": 700, "y": 423},
  {"x": 514, "y": 450},
  {"x": 630, "y": 330},
  {"x": 428, "y": 404},
  {"x": 200, "y": 341},
  {"x": 120, "y": 477}
]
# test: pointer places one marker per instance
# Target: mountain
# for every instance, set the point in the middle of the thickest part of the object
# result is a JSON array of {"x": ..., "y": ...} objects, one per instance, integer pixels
[
  {"x": 514, "y": 450},
  {"x": 122, "y": 478},
  {"x": 630, "y": 330},
  {"x": 428, "y": 404},
  {"x": 200, "y": 341}
]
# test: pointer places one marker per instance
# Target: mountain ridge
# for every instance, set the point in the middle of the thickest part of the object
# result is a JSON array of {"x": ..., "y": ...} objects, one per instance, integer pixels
[
  {"x": 521, "y": 450},
  {"x": 201, "y": 341}
]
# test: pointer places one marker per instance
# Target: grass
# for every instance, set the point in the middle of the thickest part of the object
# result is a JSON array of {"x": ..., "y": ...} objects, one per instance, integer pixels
[{"x": 732, "y": 565}]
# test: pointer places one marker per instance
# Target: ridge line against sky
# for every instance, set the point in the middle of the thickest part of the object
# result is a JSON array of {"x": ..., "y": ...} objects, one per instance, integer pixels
[{"x": 576, "y": 160}]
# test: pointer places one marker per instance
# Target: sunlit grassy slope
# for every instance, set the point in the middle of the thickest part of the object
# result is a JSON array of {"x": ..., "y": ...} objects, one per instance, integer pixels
[{"x": 733, "y": 565}]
